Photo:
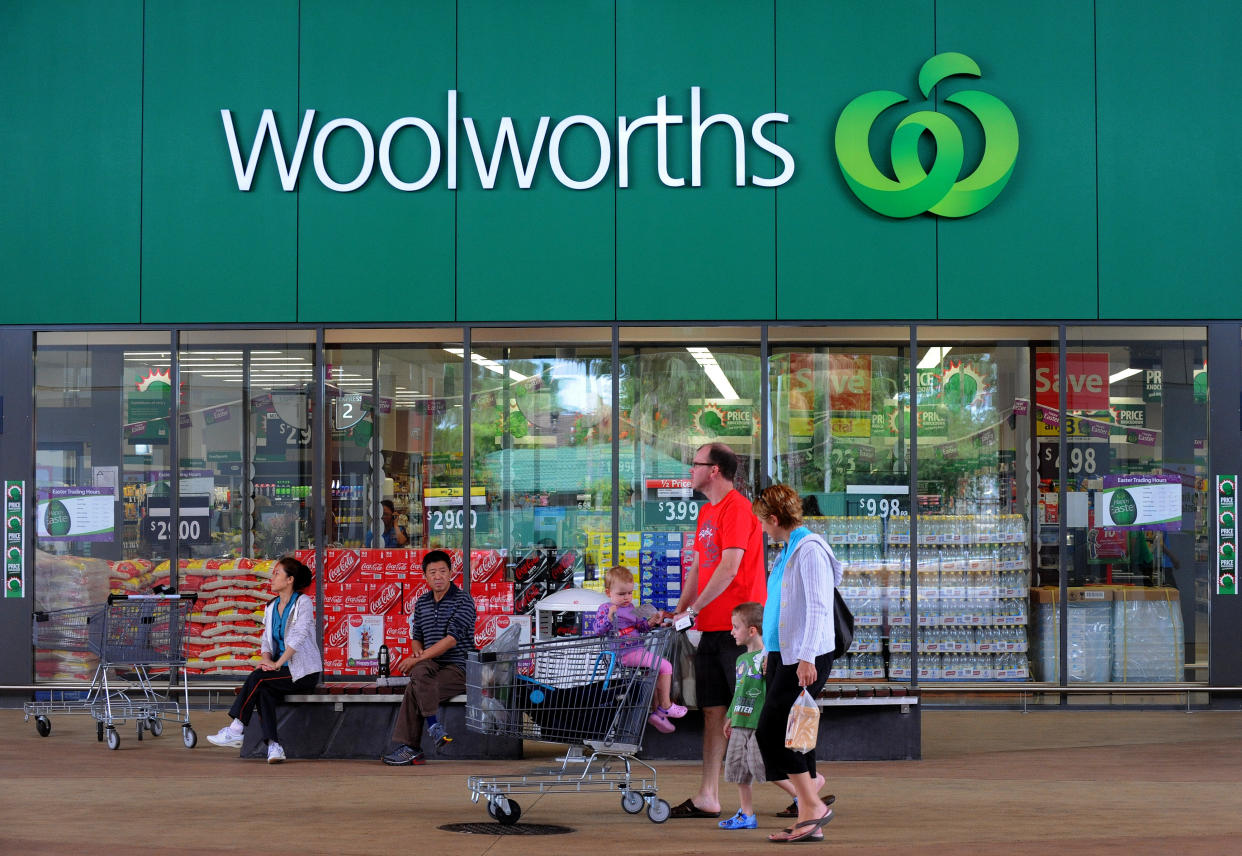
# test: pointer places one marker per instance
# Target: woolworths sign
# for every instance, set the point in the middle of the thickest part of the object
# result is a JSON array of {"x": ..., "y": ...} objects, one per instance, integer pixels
[{"x": 909, "y": 190}]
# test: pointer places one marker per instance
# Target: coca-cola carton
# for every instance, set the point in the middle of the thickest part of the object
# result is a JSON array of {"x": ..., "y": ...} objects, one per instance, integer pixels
[
  {"x": 493, "y": 597},
  {"x": 346, "y": 597},
  {"x": 412, "y": 590},
  {"x": 397, "y": 636},
  {"x": 371, "y": 565},
  {"x": 531, "y": 565},
  {"x": 306, "y": 557},
  {"x": 384, "y": 598},
  {"x": 335, "y": 632},
  {"x": 487, "y": 627},
  {"x": 486, "y": 565},
  {"x": 340, "y": 565},
  {"x": 526, "y": 596}
]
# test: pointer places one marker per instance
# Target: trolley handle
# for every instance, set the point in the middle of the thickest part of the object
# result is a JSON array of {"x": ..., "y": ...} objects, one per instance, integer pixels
[
  {"x": 113, "y": 598},
  {"x": 612, "y": 662}
]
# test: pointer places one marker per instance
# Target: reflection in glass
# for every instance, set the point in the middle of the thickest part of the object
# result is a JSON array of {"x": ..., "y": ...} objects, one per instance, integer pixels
[{"x": 541, "y": 459}]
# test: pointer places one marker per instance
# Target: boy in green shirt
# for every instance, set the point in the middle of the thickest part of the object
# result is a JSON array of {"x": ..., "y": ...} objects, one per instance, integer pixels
[{"x": 743, "y": 763}]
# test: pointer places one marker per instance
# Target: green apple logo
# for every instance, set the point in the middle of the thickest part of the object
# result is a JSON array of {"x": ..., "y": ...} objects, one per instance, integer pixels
[
  {"x": 1226, "y": 487},
  {"x": 15, "y": 493},
  {"x": 915, "y": 189},
  {"x": 56, "y": 519},
  {"x": 15, "y": 524},
  {"x": 1226, "y": 519},
  {"x": 1226, "y": 551},
  {"x": 1122, "y": 508}
]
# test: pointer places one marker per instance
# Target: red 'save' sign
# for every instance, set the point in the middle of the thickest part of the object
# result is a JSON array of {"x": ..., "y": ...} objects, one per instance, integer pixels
[{"x": 1087, "y": 386}]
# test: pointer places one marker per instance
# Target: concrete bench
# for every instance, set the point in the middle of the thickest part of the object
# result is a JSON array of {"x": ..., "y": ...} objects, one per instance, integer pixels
[
  {"x": 857, "y": 723},
  {"x": 353, "y": 720}
]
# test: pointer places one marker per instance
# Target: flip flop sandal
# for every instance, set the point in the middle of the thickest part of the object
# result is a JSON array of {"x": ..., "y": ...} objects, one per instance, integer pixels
[
  {"x": 813, "y": 831},
  {"x": 792, "y": 809},
  {"x": 689, "y": 809}
]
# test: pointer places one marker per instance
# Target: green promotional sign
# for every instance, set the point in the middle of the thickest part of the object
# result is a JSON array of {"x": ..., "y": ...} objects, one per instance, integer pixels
[
  {"x": 916, "y": 189},
  {"x": 1226, "y": 535},
  {"x": 14, "y": 539}
]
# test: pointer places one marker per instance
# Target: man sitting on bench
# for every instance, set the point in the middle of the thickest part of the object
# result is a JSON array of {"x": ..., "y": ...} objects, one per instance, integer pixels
[{"x": 441, "y": 637}]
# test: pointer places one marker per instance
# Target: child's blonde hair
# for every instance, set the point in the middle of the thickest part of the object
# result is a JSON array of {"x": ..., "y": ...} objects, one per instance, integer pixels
[{"x": 617, "y": 574}]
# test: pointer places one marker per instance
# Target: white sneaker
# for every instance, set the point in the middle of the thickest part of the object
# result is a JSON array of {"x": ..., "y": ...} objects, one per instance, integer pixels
[
  {"x": 227, "y": 737},
  {"x": 275, "y": 754}
]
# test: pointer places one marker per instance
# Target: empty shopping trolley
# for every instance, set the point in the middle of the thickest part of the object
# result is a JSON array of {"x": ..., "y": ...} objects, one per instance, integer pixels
[{"x": 138, "y": 633}]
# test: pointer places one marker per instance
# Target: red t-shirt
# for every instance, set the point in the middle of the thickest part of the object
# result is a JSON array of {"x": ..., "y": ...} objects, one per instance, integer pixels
[{"x": 729, "y": 523}]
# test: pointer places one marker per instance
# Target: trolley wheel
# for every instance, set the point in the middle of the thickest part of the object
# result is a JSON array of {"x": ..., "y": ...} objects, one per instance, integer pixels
[
  {"x": 507, "y": 814},
  {"x": 658, "y": 811},
  {"x": 156, "y": 726},
  {"x": 43, "y": 725},
  {"x": 99, "y": 729},
  {"x": 188, "y": 737},
  {"x": 114, "y": 739},
  {"x": 632, "y": 802}
]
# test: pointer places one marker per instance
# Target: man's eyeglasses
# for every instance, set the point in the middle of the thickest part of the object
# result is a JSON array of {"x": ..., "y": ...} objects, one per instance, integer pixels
[{"x": 702, "y": 464}]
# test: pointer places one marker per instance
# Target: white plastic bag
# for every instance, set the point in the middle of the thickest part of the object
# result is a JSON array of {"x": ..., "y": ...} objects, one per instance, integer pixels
[{"x": 802, "y": 728}]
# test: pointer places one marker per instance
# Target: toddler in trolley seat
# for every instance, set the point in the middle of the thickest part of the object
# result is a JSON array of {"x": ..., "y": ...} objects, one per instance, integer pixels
[{"x": 621, "y": 618}]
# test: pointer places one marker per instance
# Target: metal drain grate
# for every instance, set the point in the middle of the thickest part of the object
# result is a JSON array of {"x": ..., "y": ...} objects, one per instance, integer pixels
[{"x": 499, "y": 829}]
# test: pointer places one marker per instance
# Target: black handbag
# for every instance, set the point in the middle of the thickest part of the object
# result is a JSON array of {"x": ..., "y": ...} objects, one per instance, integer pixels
[{"x": 843, "y": 624}]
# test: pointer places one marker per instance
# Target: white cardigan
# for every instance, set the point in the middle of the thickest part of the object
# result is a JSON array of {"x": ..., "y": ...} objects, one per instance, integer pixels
[
  {"x": 806, "y": 625},
  {"x": 299, "y": 635}
]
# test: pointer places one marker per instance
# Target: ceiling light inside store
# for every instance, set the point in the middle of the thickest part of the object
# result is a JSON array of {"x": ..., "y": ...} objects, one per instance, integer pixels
[
  {"x": 933, "y": 357},
  {"x": 1122, "y": 375},
  {"x": 711, "y": 368},
  {"x": 490, "y": 365}
]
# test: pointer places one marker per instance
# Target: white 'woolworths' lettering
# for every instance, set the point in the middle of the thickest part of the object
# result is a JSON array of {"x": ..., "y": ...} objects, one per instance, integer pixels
[{"x": 506, "y": 142}]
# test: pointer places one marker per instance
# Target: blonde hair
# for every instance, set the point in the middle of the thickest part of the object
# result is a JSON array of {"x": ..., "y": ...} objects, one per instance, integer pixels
[
  {"x": 782, "y": 502},
  {"x": 617, "y": 574}
]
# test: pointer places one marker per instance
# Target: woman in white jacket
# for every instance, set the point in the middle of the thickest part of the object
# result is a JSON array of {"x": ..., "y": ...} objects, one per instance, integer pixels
[
  {"x": 289, "y": 658},
  {"x": 799, "y": 637}
]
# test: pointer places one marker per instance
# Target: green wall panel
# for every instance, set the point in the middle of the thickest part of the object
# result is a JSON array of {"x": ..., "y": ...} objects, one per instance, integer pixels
[
  {"x": 211, "y": 252},
  {"x": 839, "y": 259},
  {"x": 376, "y": 253},
  {"x": 1170, "y": 181},
  {"x": 1031, "y": 253},
  {"x": 696, "y": 252},
  {"x": 70, "y": 84},
  {"x": 545, "y": 253}
]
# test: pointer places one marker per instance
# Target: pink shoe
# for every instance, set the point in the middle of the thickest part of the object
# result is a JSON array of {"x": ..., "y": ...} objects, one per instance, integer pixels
[
  {"x": 673, "y": 711},
  {"x": 661, "y": 723}
]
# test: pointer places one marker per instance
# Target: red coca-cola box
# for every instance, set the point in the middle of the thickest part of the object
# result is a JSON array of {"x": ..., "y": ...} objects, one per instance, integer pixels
[
  {"x": 486, "y": 565},
  {"x": 493, "y": 597},
  {"x": 397, "y": 637},
  {"x": 486, "y": 628},
  {"x": 368, "y": 598},
  {"x": 346, "y": 566}
]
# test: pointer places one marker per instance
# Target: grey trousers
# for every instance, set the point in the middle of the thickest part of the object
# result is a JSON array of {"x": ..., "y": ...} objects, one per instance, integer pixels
[{"x": 430, "y": 684}]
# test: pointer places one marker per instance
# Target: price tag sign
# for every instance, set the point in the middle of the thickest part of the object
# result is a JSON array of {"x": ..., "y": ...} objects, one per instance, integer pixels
[
  {"x": 193, "y": 525},
  {"x": 1088, "y": 459},
  {"x": 672, "y": 511},
  {"x": 880, "y": 506}
]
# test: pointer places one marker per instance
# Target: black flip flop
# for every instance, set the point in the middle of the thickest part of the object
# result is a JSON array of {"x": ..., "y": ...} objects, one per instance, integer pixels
[
  {"x": 689, "y": 809},
  {"x": 811, "y": 826}
]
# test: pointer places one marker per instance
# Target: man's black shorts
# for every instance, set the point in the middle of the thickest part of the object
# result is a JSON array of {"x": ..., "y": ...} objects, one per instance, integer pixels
[{"x": 715, "y": 668}]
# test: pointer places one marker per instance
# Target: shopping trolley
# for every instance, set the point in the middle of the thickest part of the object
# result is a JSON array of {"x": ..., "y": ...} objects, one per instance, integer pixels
[
  {"x": 575, "y": 691},
  {"x": 136, "y": 631}
]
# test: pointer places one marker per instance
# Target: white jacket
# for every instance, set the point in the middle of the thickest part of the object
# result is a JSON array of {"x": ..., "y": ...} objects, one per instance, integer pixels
[
  {"x": 806, "y": 626},
  {"x": 299, "y": 635}
]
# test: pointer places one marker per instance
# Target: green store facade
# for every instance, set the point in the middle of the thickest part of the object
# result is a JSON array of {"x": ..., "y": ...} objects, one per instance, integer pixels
[{"x": 386, "y": 250}]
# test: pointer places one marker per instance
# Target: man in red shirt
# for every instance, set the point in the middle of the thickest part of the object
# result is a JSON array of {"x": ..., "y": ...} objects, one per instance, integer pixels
[{"x": 725, "y": 569}]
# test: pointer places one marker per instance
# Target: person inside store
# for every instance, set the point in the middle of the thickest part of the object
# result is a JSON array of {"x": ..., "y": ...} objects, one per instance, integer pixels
[
  {"x": 441, "y": 639},
  {"x": 723, "y": 568},
  {"x": 394, "y": 533},
  {"x": 289, "y": 659},
  {"x": 799, "y": 635}
]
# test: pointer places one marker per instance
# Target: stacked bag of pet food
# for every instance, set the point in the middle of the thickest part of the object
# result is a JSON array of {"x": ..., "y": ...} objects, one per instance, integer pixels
[
  {"x": 65, "y": 582},
  {"x": 227, "y": 620}
]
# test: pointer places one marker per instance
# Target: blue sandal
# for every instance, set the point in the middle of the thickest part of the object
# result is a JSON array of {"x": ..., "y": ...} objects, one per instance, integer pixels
[{"x": 740, "y": 821}]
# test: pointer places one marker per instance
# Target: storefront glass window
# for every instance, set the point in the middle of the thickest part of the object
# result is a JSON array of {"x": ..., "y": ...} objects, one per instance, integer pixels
[
  {"x": 420, "y": 444},
  {"x": 840, "y": 403},
  {"x": 101, "y": 474},
  {"x": 1137, "y": 503},
  {"x": 680, "y": 388},
  {"x": 541, "y": 451},
  {"x": 351, "y": 454},
  {"x": 975, "y": 501}
]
